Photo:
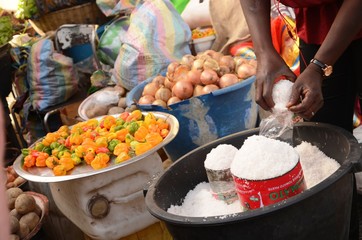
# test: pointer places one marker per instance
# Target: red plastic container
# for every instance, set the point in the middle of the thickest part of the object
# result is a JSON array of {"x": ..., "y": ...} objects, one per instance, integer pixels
[{"x": 254, "y": 194}]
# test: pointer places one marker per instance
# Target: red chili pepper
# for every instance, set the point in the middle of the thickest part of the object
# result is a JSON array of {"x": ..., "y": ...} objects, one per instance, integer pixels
[
  {"x": 124, "y": 115},
  {"x": 102, "y": 150},
  {"x": 67, "y": 142},
  {"x": 35, "y": 153}
]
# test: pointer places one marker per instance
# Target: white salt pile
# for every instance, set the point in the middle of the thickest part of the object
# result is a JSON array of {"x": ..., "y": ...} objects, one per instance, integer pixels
[
  {"x": 199, "y": 201},
  {"x": 220, "y": 157},
  {"x": 281, "y": 95},
  {"x": 263, "y": 158},
  {"x": 315, "y": 164}
]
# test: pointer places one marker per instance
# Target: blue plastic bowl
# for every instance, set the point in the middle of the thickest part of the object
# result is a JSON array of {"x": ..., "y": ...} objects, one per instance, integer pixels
[{"x": 207, "y": 117}]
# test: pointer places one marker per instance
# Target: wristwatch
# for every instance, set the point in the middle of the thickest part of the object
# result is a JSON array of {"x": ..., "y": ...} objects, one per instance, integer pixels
[{"x": 327, "y": 69}]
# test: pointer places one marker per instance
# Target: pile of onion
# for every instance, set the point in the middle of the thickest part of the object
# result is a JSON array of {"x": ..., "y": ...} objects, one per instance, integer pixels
[{"x": 195, "y": 76}]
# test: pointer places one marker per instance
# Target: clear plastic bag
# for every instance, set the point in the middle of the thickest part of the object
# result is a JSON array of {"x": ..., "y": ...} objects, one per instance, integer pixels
[{"x": 279, "y": 124}]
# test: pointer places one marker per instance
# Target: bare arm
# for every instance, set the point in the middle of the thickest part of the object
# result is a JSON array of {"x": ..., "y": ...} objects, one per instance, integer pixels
[
  {"x": 4, "y": 211},
  {"x": 346, "y": 25},
  {"x": 270, "y": 64}
]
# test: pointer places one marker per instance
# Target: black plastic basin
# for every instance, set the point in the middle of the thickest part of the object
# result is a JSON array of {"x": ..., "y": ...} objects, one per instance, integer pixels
[{"x": 322, "y": 212}]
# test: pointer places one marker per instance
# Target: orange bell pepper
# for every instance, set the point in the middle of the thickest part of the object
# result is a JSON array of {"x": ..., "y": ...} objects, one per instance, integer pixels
[
  {"x": 121, "y": 134},
  {"x": 142, "y": 148},
  {"x": 120, "y": 148},
  {"x": 102, "y": 142},
  {"x": 59, "y": 170},
  {"x": 100, "y": 161},
  {"x": 134, "y": 116},
  {"x": 89, "y": 156},
  {"x": 67, "y": 162},
  {"x": 40, "y": 160},
  {"x": 154, "y": 138},
  {"x": 29, "y": 161},
  {"x": 164, "y": 132},
  {"x": 79, "y": 151},
  {"x": 75, "y": 139},
  {"x": 141, "y": 133},
  {"x": 107, "y": 122},
  {"x": 123, "y": 156},
  {"x": 51, "y": 162}
]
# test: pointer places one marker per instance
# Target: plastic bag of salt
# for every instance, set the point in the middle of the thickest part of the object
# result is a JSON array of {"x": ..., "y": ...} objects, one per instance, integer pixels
[
  {"x": 217, "y": 165},
  {"x": 266, "y": 171},
  {"x": 279, "y": 125}
]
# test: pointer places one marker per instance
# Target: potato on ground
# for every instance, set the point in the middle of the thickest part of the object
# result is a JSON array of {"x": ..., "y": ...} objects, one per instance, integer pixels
[
  {"x": 23, "y": 230},
  {"x": 15, "y": 213},
  {"x": 14, "y": 224},
  {"x": 30, "y": 219},
  {"x": 14, "y": 237},
  {"x": 25, "y": 203},
  {"x": 12, "y": 194}
]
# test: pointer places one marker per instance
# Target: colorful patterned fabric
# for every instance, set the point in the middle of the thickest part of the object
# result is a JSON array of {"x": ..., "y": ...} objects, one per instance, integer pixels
[
  {"x": 157, "y": 36},
  {"x": 51, "y": 76},
  {"x": 115, "y": 7},
  {"x": 109, "y": 43}
]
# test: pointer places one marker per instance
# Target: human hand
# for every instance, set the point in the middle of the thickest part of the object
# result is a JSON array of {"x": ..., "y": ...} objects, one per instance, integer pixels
[
  {"x": 271, "y": 67},
  {"x": 306, "y": 97}
]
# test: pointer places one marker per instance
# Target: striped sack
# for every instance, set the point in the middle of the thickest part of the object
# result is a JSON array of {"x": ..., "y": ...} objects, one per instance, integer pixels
[
  {"x": 52, "y": 78},
  {"x": 114, "y": 8},
  {"x": 157, "y": 36}
]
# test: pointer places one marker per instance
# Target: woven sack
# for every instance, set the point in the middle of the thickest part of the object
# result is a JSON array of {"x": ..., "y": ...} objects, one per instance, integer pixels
[
  {"x": 52, "y": 78},
  {"x": 157, "y": 36}
]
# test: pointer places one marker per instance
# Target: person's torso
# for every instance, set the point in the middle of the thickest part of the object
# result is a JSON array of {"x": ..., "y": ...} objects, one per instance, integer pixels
[{"x": 314, "y": 18}]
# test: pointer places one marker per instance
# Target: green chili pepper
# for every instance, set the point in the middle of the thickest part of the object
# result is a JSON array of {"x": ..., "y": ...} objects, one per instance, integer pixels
[
  {"x": 77, "y": 160},
  {"x": 61, "y": 147},
  {"x": 129, "y": 138},
  {"x": 39, "y": 146},
  {"x": 112, "y": 144},
  {"x": 133, "y": 144},
  {"x": 118, "y": 127},
  {"x": 47, "y": 150},
  {"x": 120, "y": 122},
  {"x": 61, "y": 153},
  {"x": 25, "y": 151},
  {"x": 54, "y": 145},
  {"x": 133, "y": 127}
]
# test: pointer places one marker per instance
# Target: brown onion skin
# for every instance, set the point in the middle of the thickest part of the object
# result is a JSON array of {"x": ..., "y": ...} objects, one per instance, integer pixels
[
  {"x": 160, "y": 80},
  {"x": 188, "y": 59},
  {"x": 245, "y": 70},
  {"x": 180, "y": 73},
  {"x": 193, "y": 76},
  {"x": 169, "y": 84},
  {"x": 172, "y": 67},
  {"x": 198, "y": 90},
  {"x": 227, "y": 61},
  {"x": 160, "y": 102},
  {"x": 209, "y": 76},
  {"x": 146, "y": 100},
  {"x": 150, "y": 89},
  {"x": 183, "y": 90},
  {"x": 173, "y": 100},
  {"x": 223, "y": 70},
  {"x": 163, "y": 93},
  {"x": 228, "y": 80},
  {"x": 210, "y": 88}
]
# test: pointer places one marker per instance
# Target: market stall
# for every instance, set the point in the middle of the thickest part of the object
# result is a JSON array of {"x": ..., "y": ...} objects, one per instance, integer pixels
[{"x": 121, "y": 102}]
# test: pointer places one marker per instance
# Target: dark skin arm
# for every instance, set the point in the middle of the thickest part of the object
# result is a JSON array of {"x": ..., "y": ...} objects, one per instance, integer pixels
[
  {"x": 307, "y": 87},
  {"x": 270, "y": 64},
  {"x": 346, "y": 25}
]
